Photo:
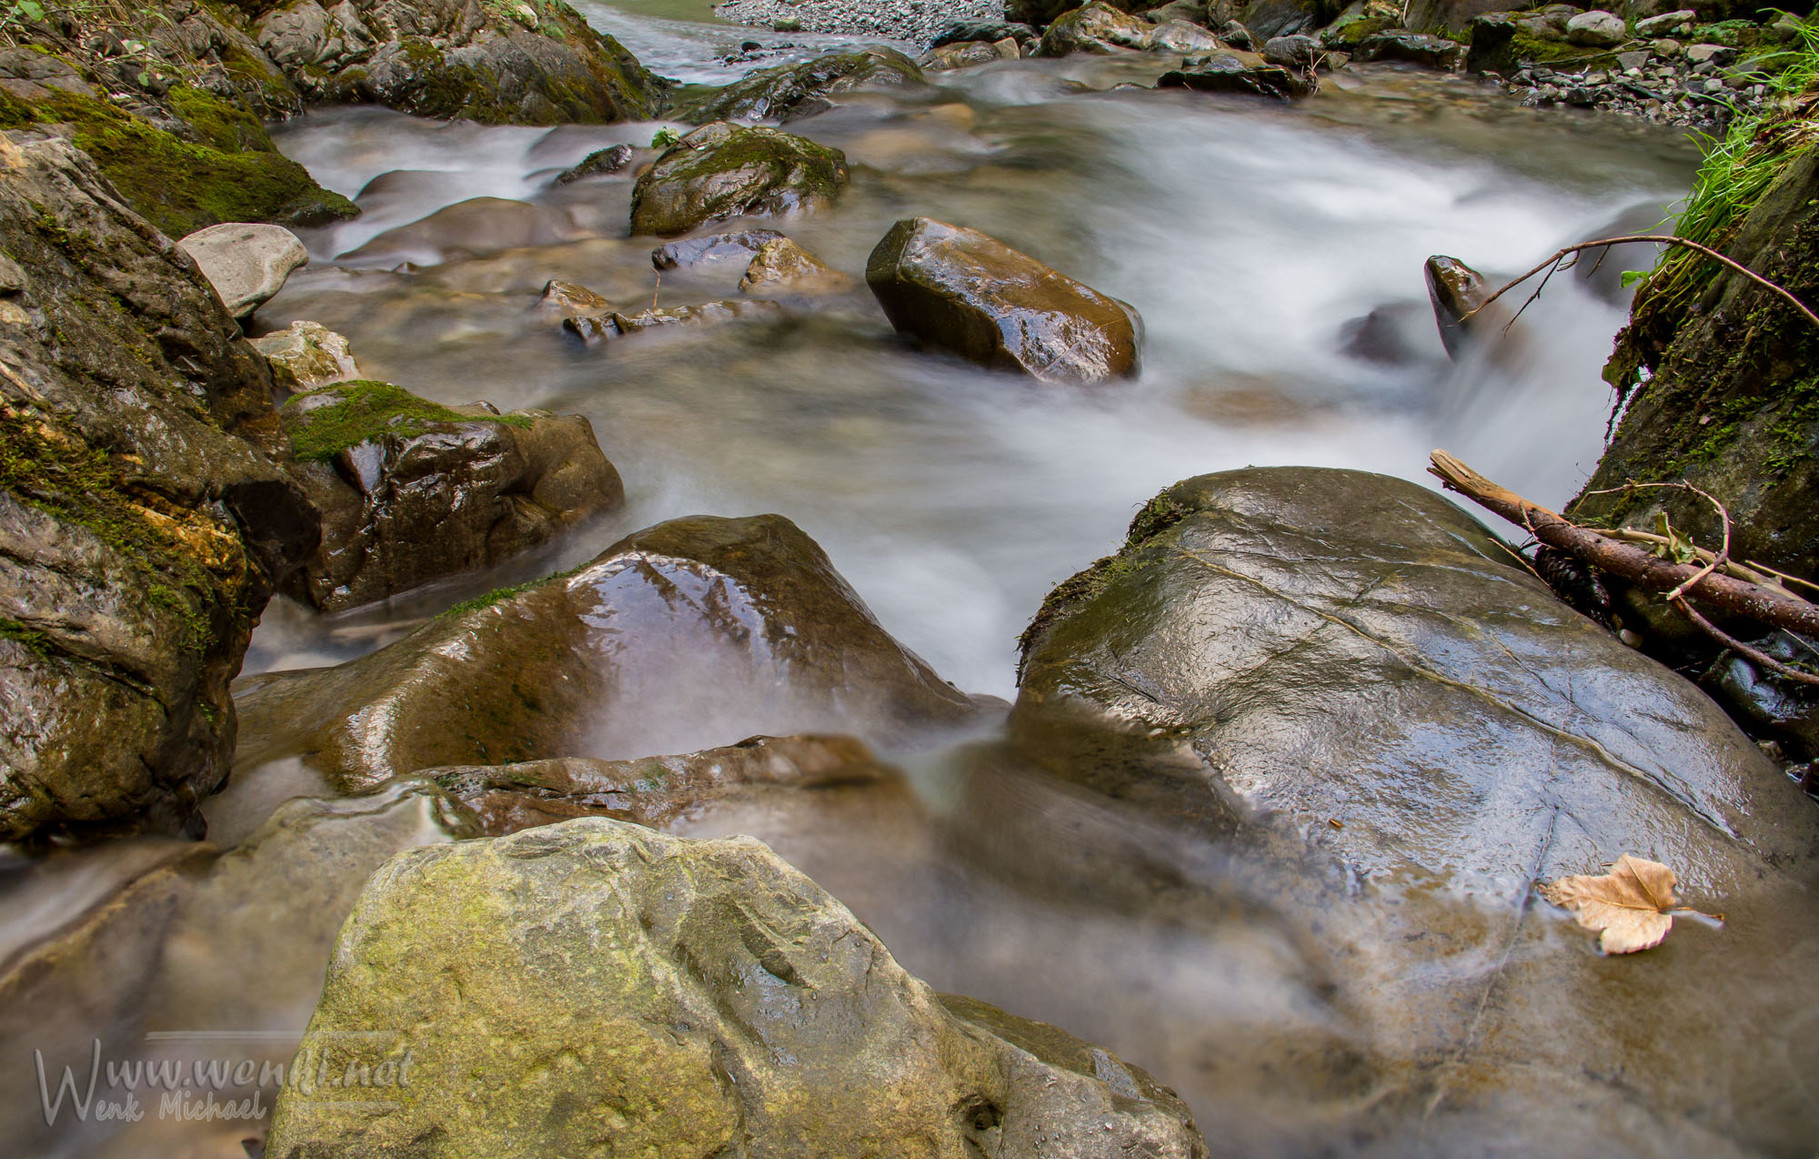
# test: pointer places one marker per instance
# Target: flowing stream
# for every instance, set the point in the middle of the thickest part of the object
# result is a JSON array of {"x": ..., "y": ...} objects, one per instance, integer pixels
[{"x": 1253, "y": 239}]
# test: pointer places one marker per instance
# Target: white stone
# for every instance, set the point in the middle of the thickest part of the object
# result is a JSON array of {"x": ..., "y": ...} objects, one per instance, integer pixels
[
  {"x": 1595, "y": 29},
  {"x": 246, "y": 263}
]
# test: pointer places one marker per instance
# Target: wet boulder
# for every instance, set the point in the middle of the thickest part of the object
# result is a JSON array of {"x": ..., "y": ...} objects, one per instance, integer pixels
[
  {"x": 789, "y": 91},
  {"x": 570, "y": 299},
  {"x": 1239, "y": 72},
  {"x": 986, "y": 32},
  {"x": 742, "y": 245},
  {"x": 1297, "y": 51},
  {"x": 1457, "y": 290},
  {"x": 962, "y": 291},
  {"x": 653, "y": 791},
  {"x": 505, "y": 63},
  {"x": 1331, "y": 644},
  {"x": 1435, "y": 52},
  {"x": 969, "y": 53},
  {"x": 411, "y": 491},
  {"x": 1096, "y": 28},
  {"x": 145, "y": 511},
  {"x": 306, "y": 355},
  {"x": 700, "y": 997},
  {"x": 689, "y": 634},
  {"x": 246, "y": 263},
  {"x": 782, "y": 267},
  {"x": 601, "y": 327},
  {"x": 724, "y": 170},
  {"x": 598, "y": 163}
]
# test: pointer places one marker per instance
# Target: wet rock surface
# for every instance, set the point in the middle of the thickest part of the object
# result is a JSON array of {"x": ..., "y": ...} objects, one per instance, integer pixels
[
  {"x": 1340, "y": 676},
  {"x": 246, "y": 263},
  {"x": 702, "y": 995},
  {"x": 306, "y": 355},
  {"x": 654, "y": 791},
  {"x": 962, "y": 291},
  {"x": 146, "y": 514},
  {"x": 1458, "y": 294},
  {"x": 412, "y": 492},
  {"x": 613, "y": 659},
  {"x": 788, "y": 91},
  {"x": 1096, "y": 28},
  {"x": 724, "y": 170},
  {"x": 526, "y": 64},
  {"x": 605, "y": 326},
  {"x": 782, "y": 267},
  {"x": 1243, "y": 73}
]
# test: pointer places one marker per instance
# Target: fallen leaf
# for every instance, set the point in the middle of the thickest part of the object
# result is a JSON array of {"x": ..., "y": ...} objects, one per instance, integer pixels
[{"x": 1632, "y": 904}]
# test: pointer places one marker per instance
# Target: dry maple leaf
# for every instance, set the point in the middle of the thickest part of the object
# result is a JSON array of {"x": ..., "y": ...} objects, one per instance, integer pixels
[{"x": 1633, "y": 904}]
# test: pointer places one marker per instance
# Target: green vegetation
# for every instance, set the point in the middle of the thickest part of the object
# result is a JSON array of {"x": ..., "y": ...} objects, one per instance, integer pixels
[
  {"x": 665, "y": 139},
  {"x": 59, "y": 474},
  {"x": 488, "y": 599},
  {"x": 365, "y": 410}
]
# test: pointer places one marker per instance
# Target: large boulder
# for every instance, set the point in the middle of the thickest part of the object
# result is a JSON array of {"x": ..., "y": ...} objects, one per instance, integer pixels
[
  {"x": 522, "y": 63},
  {"x": 145, "y": 516},
  {"x": 1411, "y": 48},
  {"x": 1338, "y": 697},
  {"x": 694, "y": 632},
  {"x": 1596, "y": 29},
  {"x": 412, "y": 491},
  {"x": 789, "y": 91},
  {"x": 1333, "y": 644},
  {"x": 595, "y": 984},
  {"x": 960, "y": 290},
  {"x": 724, "y": 170},
  {"x": 1098, "y": 28},
  {"x": 246, "y": 263}
]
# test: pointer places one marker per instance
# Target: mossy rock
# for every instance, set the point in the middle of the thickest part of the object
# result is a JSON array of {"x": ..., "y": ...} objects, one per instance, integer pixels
[
  {"x": 322, "y": 423},
  {"x": 790, "y": 90},
  {"x": 725, "y": 170},
  {"x": 1504, "y": 42},
  {"x": 232, "y": 172}
]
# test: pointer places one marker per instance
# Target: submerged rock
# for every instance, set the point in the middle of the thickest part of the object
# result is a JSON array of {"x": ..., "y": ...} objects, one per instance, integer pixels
[
  {"x": 592, "y": 328},
  {"x": 700, "y": 996},
  {"x": 145, "y": 513},
  {"x": 789, "y": 91},
  {"x": 743, "y": 245},
  {"x": 306, "y": 355},
  {"x": 695, "y": 626},
  {"x": 1243, "y": 73},
  {"x": 782, "y": 267},
  {"x": 1456, "y": 290},
  {"x": 600, "y": 161},
  {"x": 724, "y": 170},
  {"x": 653, "y": 791},
  {"x": 247, "y": 264},
  {"x": 570, "y": 300},
  {"x": 411, "y": 491},
  {"x": 962, "y": 291}
]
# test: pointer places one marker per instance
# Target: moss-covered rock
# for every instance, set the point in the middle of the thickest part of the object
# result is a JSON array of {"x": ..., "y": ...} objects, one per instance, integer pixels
[
  {"x": 724, "y": 170},
  {"x": 1503, "y": 42},
  {"x": 412, "y": 491},
  {"x": 595, "y": 982},
  {"x": 789, "y": 91},
  {"x": 145, "y": 514},
  {"x": 227, "y": 169}
]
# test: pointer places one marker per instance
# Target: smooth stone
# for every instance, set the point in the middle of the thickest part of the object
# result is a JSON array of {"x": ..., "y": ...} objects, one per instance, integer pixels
[
  {"x": 1435, "y": 52},
  {"x": 1096, "y": 28},
  {"x": 1241, "y": 73},
  {"x": 1296, "y": 51},
  {"x": 691, "y": 633},
  {"x": 695, "y": 998},
  {"x": 246, "y": 263},
  {"x": 1666, "y": 24},
  {"x": 1456, "y": 290},
  {"x": 990, "y": 31},
  {"x": 789, "y": 91},
  {"x": 310, "y": 353},
  {"x": 782, "y": 267},
  {"x": 654, "y": 791},
  {"x": 962, "y": 291},
  {"x": 743, "y": 245},
  {"x": 569, "y": 300},
  {"x": 1596, "y": 29},
  {"x": 724, "y": 170}
]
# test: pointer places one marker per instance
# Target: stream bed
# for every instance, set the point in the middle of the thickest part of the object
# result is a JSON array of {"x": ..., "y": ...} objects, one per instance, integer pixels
[{"x": 1275, "y": 254}]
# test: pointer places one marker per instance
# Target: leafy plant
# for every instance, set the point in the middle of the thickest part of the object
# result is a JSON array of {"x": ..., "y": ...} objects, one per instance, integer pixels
[{"x": 665, "y": 139}]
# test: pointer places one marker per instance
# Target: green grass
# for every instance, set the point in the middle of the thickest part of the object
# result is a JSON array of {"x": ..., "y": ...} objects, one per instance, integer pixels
[
  {"x": 366, "y": 410},
  {"x": 488, "y": 599}
]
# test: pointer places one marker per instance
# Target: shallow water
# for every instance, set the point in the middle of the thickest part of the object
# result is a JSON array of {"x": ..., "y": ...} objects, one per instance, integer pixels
[{"x": 1249, "y": 236}]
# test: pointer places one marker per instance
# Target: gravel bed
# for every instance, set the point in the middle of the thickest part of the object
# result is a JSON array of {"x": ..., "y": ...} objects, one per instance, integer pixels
[{"x": 918, "y": 21}]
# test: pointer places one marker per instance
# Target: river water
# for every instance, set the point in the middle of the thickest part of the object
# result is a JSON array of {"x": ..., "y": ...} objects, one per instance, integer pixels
[{"x": 1253, "y": 239}]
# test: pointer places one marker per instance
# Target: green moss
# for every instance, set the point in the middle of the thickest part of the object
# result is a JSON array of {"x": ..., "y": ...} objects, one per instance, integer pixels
[
  {"x": 1541, "y": 50},
  {"x": 488, "y": 599},
  {"x": 366, "y": 410},
  {"x": 181, "y": 186},
  {"x": 220, "y": 123},
  {"x": 31, "y": 638},
  {"x": 56, "y": 472}
]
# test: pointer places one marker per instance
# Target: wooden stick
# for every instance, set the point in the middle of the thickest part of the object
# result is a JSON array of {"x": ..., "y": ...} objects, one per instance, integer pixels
[
  {"x": 1766, "y": 605},
  {"x": 1760, "y": 659},
  {"x": 1655, "y": 238}
]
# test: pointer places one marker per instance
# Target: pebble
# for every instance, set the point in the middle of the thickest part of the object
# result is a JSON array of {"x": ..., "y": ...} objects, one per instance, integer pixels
[{"x": 1671, "y": 84}]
